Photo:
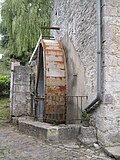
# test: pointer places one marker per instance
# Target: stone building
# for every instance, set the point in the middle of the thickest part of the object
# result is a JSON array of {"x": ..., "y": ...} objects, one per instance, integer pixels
[
  {"x": 92, "y": 47},
  {"x": 90, "y": 35}
]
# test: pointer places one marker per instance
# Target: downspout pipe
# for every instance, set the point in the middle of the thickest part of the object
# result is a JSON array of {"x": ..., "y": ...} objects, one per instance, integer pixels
[{"x": 92, "y": 105}]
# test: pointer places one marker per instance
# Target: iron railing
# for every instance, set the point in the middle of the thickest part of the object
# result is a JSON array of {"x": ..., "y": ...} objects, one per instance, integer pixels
[{"x": 60, "y": 109}]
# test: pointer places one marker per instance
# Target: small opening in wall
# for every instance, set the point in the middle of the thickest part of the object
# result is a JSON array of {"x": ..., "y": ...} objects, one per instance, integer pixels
[{"x": 56, "y": 13}]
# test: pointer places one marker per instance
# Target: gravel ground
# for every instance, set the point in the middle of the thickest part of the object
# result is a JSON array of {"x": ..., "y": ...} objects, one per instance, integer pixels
[{"x": 17, "y": 146}]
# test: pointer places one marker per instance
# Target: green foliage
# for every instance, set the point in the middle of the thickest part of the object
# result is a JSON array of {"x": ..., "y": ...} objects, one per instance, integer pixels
[
  {"x": 21, "y": 21},
  {"x": 4, "y": 109},
  {"x": 5, "y": 63},
  {"x": 85, "y": 116},
  {"x": 4, "y": 85}
]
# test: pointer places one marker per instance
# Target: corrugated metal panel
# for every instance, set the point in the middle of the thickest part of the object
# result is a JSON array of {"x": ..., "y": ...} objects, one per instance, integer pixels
[{"x": 55, "y": 81}]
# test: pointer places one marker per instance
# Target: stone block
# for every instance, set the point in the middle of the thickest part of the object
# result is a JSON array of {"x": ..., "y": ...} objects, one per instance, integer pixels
[
  {"x": 20, "y": 97},
  {"x": 113, "y": 3},
  {"x": 108, "y": 138},
  {"x": 15, "y": 120},
  {"x": 70, "y": 131},
  {"x": 32, "y": 128},
  {"x": 107, "y": 123},
  {"x": 113, "y": 151},
  {"x": 52, "y": 134},
  {"x": 21, "y": 108},
  {"x": 88, "y": 135},
  {"x": 21, "y": 75},
  {"x": 118, "y": 11},
  {"x": 45, "y": 131},
  {"x": 22, "y": 88},
  {"x": 110, "y": 11},
  {"x": 108, "y": 99}
]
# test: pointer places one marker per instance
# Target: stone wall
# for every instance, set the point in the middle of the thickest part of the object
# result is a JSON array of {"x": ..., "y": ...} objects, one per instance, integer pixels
[
  {"x": 20, "y": 92},
  {"x": 108, "y": 114},
  {"x": 77, "y": 22}
]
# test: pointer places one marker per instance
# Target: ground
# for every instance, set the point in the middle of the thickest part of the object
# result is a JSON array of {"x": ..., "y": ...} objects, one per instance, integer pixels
[{"x": 17, "y": 146}]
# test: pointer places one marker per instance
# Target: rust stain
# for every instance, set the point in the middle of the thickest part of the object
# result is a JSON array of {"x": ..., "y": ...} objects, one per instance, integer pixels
[{"x": 55, "y": 80}]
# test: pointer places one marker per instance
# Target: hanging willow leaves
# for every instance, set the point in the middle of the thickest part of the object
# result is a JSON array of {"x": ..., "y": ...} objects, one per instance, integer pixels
[{"x": 21, "y": 19}]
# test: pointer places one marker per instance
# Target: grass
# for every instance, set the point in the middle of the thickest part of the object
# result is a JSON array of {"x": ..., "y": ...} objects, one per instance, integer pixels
[
  {"x": 4, "y": 102},
  {"x": 4, "y": 70},
  {"x": 4, "y": 109}
]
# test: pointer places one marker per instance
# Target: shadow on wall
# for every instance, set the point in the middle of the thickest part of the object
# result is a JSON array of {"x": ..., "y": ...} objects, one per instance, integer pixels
[{"x": 75, "y": 76}]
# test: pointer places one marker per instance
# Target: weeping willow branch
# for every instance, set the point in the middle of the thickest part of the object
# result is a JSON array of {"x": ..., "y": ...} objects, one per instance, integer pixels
[{"x": 22, "y": 20}]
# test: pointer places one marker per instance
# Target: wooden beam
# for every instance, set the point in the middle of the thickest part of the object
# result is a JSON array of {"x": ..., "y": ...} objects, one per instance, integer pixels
[
  {"x": 44, "y": 36},
  {"x": 54, "y": 28}
]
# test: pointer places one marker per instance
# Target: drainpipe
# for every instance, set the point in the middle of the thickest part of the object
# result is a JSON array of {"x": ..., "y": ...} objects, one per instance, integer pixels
[{"x": 92, "y": 105}]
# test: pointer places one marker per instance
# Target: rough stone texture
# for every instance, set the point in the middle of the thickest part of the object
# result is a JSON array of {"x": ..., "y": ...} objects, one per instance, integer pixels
[
  {"x": 15, "y": 121},
  {"x": 87, "y": 135},
  {"x": 76, "y": 20},
  {"x": 113, "y": 151},
  {"x": 75, "y": 80},
  {"x": 108, "y": 114},
  {"x": 47, "y": 131},
  {"x": 21, "y": 99},
  {"x": 17, "y": 146},
  {"x": 13, "y": 64}
]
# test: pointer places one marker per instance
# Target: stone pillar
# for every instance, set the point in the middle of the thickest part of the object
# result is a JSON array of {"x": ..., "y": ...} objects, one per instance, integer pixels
[
  {"x": 13, "y": 64},
  {"x": 21, "y": 101}
]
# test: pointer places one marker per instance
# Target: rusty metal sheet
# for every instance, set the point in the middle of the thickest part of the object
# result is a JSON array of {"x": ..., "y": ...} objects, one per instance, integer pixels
[{"x": 55, "y": 81}]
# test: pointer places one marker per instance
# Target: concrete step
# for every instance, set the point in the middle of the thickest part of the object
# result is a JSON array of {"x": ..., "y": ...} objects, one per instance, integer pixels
[
  {"x": 113, "y": 151},
  {"x": 47, "y": 131}
]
